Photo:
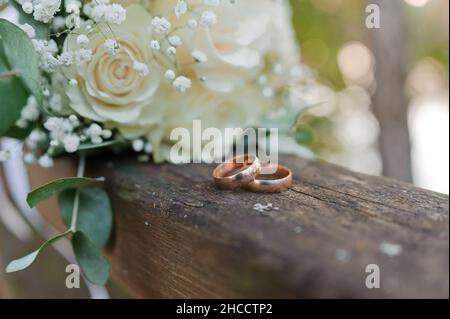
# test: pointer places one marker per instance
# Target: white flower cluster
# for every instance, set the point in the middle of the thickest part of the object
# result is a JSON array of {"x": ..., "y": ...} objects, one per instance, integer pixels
[
  {"x": 46, "y": 51},
  {"x": 29, "y": 114},
  {"x": 42, "y": 10},
  {"x": 140, "y": 68},
  {"x": 103, "y": 11},
  {"x": 62, "y": 134}
]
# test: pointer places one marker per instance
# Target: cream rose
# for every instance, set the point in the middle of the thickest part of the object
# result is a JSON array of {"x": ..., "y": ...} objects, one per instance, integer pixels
[
  {"x": 235, "y": 47},
  {"x": 113, "y": 88},
  {"x": 215, "y": 110}
]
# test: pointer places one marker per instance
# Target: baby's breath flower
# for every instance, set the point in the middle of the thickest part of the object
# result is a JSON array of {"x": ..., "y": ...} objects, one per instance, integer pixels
[
  {"x": 171, "y": 50},
  {"x": 161, "y": 25},
  {"x": 29, "y": 158},
  {"x": 141, "y": 68},
  {"x": 192, "y": 23},
  {"x": 106, "y": 133},
  {"x": 175, "y": 40},
  {"x": 180, "y": 8},
  {"x": 71, "y": 143},
  {"x": 83, "y": 55},
  {"x": 46, "y": 51},
  {"x": 112, "y": 47},
  {"x": 155, "y": 45},
  {"x": 199, "y": 56},
  {"x": 74, "y": 120},
  {"x": 46, "y": 161},
  {"x": 182, "y": 84},
  {"x": 27, "y": 7},
  {"x": 82, "y": 40},
  {"x": 29, "y": 113},
  {"x": 138, "y": 145},
  {"x": 55, "y": 103},
  {"x": 44, "y": 10},
  {"x": 148, "y": 148},
  {"x": 66, "y": 58},
  {"x": 110, "y": 13},
  {"x": 170, "y": 75},
  {"x": 115, "y": 13},
  {"x": 208, "y": 19},
  {"x": 94, "y": 130}
]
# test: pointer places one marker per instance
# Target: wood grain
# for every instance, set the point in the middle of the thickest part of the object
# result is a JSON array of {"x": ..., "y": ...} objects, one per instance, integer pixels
[{"x": 176, "y": 235}]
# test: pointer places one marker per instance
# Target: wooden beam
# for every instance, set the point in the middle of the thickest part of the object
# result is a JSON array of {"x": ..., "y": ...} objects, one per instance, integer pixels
[{"x": 176, "y": 235}]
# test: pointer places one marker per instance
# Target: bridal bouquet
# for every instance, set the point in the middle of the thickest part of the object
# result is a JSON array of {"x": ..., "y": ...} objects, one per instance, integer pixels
[{"x": 81, "y": 75}]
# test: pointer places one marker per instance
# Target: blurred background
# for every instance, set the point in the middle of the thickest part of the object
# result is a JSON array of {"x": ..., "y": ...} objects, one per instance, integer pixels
[
  {"x": 385, "y": 111},
  {"x": 385, "y": 91}
]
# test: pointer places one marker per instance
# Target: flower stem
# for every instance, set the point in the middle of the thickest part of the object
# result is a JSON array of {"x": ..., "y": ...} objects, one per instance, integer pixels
[{"x": 76, "y": 201}]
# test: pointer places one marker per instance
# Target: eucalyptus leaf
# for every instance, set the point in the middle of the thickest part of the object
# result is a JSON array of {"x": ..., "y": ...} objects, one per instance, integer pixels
[
  {"x": 92, "y": 146},
  {"x": 94, "y": 213},
  {"x": 57, "y": 186},
  {"x": 19, "y": 133},
  {"x": 26, "y": 261},
  {"x": 21, "y": 57},
  {"x": 13, "y": 97},
  {"x": 94, "y": 266}
]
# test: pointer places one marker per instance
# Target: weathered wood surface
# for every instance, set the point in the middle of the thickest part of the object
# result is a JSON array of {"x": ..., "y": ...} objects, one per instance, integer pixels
[{"x": 176, "y": 235}]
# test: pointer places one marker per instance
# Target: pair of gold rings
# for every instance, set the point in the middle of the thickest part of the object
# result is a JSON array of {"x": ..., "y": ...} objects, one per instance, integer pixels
[{"x": 245, "y": 172}]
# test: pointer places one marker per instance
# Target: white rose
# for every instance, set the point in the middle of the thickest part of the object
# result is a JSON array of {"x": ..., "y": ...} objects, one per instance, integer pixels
[
  {"x": 109, "y": 87},
  {"x": 235, "y": 46},
  {"x": 215, "y": 110}
]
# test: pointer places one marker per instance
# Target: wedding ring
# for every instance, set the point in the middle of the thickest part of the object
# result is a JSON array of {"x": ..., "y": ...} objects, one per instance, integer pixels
[
  {"x": 277, "y": 182},
  {"x": 237, "y": 172}
]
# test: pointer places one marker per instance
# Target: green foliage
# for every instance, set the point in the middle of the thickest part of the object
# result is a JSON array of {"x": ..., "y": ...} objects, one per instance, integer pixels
[
  {"x": 91, "y": 232},
  {"x": 92, "y": 146},
  {"x": 94, "y": 266},
  {"x": 57, "y": 186},
  {"x": 26, "y": 261},
  {"x": 19, "y": 76},
  {"x": 19, "y": 53},
  {"x": 304, "y": 136},
  {"x": 94, "y": 213},
  {"x": 13, "y": 97}
]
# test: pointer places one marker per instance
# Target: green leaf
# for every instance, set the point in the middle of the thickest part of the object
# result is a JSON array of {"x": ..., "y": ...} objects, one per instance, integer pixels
[
  {"x": 94, "y": 266},
  {"x": 94, "y": 213},
  {"x": 304, "y": 135},
  {"x": 13, "y": 97},
  {"x": 26, "y": 261},
  {"x": 92, "y": 146},
  {"x": 19, "y": 133},
  {"x": 57, "y": 186},
  {"x": 21, "y": 57}
]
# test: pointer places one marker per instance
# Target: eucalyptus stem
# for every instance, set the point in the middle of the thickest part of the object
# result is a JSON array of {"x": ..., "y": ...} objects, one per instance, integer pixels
[{"x": 76, "y": 202}]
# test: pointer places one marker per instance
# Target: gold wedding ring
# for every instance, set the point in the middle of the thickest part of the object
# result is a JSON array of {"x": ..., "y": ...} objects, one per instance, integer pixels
[
  {"x": 277, "y": 182},
  {"x": 237, "y": 172},
  {"x": 244, "y": 171}
]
